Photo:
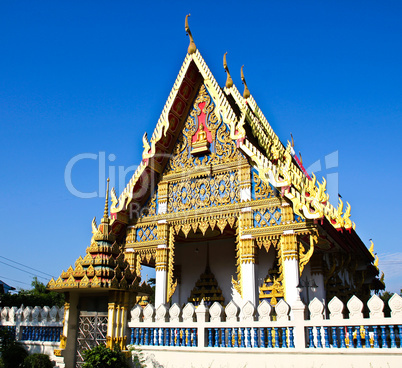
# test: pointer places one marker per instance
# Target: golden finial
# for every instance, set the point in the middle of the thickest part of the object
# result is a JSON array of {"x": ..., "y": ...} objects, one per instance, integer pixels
[
  {"x": 191, "y": 47},
  {"x": 371, "y": 249},
  {"x": 301, "y": 159},
  {"x": 94, "y": 226},
  {"x": 106, "y": 212},
  {"x": 229, "y": 80},
  {"x": 246, "y": 93},
  {"x": 293, "y": 142}
]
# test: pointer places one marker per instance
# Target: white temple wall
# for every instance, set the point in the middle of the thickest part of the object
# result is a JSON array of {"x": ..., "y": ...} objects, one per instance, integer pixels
[{"x": 192, "y": 258}]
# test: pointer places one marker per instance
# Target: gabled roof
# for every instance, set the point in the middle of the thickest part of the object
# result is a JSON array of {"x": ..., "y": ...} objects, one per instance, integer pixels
[{"x": 276, "y": 163}]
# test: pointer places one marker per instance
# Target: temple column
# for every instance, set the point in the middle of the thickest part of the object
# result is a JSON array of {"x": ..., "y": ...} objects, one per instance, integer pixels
[
  {"x": 248, "y": 269},
  {"x": 161, "y": 267},
  {"x": 290, "y": 266},
  {"x": 247, "y": 258},
  {"x": 117, "y": 319},
  {"x": 245, "y": 183},
  {"x": 161, "y": 263},
  {"x": 68, "y": 338},
  {"x": 162, "y": 197}
]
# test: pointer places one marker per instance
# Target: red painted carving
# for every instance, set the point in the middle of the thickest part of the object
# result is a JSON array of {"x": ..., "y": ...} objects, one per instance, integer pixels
[{"x": 201, "y": 120}]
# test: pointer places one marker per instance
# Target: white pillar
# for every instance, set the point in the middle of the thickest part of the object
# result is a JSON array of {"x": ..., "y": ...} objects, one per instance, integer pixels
[
  {"x": 290, "y": 266},
  {"x": 161, "y": 275},
  {"x": 291, "y": 278},
  {"x": 248, "y": 269},
  {"x": 248, "y": 282}
]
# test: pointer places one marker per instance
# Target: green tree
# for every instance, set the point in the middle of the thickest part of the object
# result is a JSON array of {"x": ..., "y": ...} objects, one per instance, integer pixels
[{"x": 37, "y": 296}]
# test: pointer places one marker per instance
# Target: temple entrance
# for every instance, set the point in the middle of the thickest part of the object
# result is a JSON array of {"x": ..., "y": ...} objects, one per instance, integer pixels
[
  {"x": 92, "y": 330},
  {"x": 204, "y": 266}
]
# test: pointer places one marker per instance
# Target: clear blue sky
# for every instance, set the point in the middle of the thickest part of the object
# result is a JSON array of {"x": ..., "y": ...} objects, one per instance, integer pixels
[{"x": 91, "y": 76}]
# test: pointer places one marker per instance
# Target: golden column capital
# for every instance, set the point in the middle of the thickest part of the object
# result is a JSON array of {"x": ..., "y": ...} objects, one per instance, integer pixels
[
  {"x": 163, "y": 231},
  {"x": 161, "y": 263},
  {"x": 248, "y": 249},
  {"x": 244, "y": 177},
  {"x": 163, "y": 192},
  {"x": 289, "y": 245}
]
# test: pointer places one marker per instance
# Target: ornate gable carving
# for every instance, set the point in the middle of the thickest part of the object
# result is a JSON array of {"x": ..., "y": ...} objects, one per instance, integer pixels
[{"x": 222, "y": 148}]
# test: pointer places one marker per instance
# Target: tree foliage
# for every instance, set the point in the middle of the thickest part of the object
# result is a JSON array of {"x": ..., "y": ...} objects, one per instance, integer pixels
[{"x": 37, "y": 296}]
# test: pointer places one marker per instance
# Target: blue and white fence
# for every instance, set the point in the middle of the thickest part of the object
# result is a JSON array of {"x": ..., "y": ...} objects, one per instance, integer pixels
[
  {"x": 265, "y": 327},
  {"x": 39, "y": 329}
]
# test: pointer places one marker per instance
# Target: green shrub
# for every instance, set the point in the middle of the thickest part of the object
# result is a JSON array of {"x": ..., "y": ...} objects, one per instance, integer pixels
[
  {"x": 102, "y": 357},
  {"x": 12, "y": 353},
  {"x": 38, "y": 361}
]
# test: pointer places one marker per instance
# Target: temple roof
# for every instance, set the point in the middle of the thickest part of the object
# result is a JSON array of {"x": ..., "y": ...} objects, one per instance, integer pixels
[
  {"x": 103, "y": 266},
  {"x": 276, "y": 163}
]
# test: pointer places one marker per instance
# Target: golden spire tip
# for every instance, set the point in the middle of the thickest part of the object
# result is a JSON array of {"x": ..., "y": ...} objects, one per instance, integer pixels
[
  {"x": 246, "y": 93},
  {"x": 191, "y": 47},
  {"x": 229, "y": 80},
  {"x": 106, "y": 213}
]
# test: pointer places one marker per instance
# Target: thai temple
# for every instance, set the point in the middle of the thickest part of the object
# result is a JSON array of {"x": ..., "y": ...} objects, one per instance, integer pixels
[{"x": 223, "y": 210}]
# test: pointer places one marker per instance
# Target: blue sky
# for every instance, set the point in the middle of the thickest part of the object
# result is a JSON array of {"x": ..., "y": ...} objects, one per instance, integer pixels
[{"x": 89, "y": 77}]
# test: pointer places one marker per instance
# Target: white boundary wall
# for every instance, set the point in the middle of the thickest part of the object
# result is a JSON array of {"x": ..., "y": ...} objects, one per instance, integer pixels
[
  {"x": 38, "y": 329},
  {"x": 242, "y": 337}
]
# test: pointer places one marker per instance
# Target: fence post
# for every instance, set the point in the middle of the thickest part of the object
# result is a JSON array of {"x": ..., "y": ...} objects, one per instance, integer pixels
[
  {"x": 298, "y": 313},
  {"x": 202, "y": 317}
]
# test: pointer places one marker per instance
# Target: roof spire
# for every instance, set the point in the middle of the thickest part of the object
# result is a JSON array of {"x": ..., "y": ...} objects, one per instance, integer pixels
[
  {"x": 106, "y": 212},
  {"x": 191, "y": 47},
  {"x": 246, "y": 93},
  {"x": 229, "y": 80}
]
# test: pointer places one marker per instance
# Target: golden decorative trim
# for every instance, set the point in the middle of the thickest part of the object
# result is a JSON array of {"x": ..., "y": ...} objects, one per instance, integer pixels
[
  {"x": 172, "y": 284},
  {"x": 304, "y": 257},
  {"x": 162, "y": 192},
  {"x": 288, "y": 245},
  {"x": 161, "y": 263},
  {"x": 273, "y": 285},
  {"x": 248, "y": 251},
  {"x": 237, "y": 283}
]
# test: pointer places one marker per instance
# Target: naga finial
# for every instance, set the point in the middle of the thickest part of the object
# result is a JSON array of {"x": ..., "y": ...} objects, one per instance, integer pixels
[
  {"x": 229, "y": 80},
  {"x": 293, "y": 142},
  {"x": 94, "y": 226},
  {"x": 246, "y": 93},
  {"x": 191, "y": 47},
  {"x": 106, "y": 212},
  {"x": 371, "y": 249}
]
